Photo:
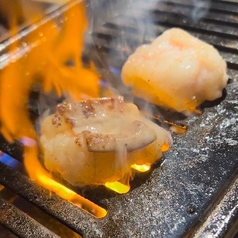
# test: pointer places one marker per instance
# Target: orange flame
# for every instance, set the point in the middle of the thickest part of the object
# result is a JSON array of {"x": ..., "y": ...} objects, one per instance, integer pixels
[
  {"x": 141, "y": 168},
  {"x": 42, "y": 60},
  {"x": 39, "y": 174},
  {"x": 121, "y": 187}
]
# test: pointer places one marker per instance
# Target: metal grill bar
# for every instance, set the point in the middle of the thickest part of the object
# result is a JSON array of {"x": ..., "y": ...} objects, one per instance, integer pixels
[
  {"x": 21, "y": 224},
  {"x": 218, "y": 32},
  {"x": 216, "y": 7},
  {"x": 212, "y": 37},
  {"x": 64, "y": 211},
  {"x": 185, "y": 10},
  {"x": 14, "y": 149},
  {"x": 229, "y": 54},
  {"x": 217, "y": 217},
  {"x": 214, "y": 24}
]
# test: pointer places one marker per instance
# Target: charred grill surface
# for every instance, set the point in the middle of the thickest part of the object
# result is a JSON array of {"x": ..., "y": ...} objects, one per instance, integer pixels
[{"x": 193, "y": 190}]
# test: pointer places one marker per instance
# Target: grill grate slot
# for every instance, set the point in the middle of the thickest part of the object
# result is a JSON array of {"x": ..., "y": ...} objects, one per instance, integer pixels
[
  {"x": 229, "y": 54},
  {"x": 215, "y": 7},
  {"x": 214, "y": 24},
  {"x": 21, "y": 224},
  {"x": 123, "y": 29}
]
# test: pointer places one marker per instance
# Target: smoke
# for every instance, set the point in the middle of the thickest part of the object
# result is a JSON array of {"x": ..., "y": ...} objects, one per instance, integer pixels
[
  {"x": 128, "y": 33},
  {"x": 122, "y": 164},
  {"x": 129, "y": 15},
  {"x": 131, "y": 23},
  {"x": 200, "y": 9},
  {"x": 134, "y": 21}
]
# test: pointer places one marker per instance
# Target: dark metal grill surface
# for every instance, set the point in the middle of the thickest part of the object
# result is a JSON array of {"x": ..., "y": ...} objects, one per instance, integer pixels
[{"x": 193, "y": 191}]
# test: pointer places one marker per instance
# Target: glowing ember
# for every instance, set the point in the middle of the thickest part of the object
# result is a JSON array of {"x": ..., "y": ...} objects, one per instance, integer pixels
[
  {"x": 141, "y": 168},
  {"x": 118, "y": 187}
]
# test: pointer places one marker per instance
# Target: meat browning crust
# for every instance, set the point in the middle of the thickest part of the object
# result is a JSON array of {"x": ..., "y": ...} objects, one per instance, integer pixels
[{"x": 86, "y": 109}]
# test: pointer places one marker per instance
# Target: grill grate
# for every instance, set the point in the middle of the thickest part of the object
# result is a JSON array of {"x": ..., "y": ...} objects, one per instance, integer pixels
[
  {"x": 62, "y": 210},
  {"x": 15, "y": 220},
  {"x": 194, "y": 187}
]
